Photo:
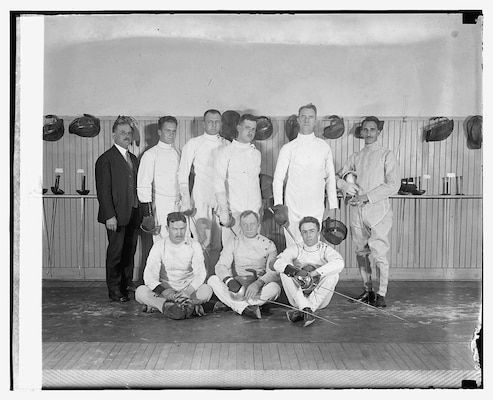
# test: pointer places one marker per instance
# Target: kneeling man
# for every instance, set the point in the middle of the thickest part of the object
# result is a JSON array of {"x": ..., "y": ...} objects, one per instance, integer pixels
[
  {"x": 174, "y": 274},
  {"x": 309, "y": 273},
  {"x": 244, "y": 278}
]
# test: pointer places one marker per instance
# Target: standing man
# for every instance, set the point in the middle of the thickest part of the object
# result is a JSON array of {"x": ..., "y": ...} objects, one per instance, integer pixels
[
  {"x": 244, "y": 278},
  {"x": 116, "y": 186},
  {"x": 237, "y": 182},
  {"x": 174, "y": 274},
  {"x": 200, "y": 152},
  {"x": 377, "y": 178},
  {"x": 309, "y": 273},
  {"x": 306, "y": 163},
  {"x": 157, "y": 179}
]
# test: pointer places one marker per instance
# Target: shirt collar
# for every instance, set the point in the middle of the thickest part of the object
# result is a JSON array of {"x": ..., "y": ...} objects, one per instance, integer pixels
[
  {"x": 244, "y": 145},
  {"x": 310, "y": 136},
  {"x": 122, "y": 150},
  {"x": 212, "y": 137},
  {"x": 164, "y": 145}
]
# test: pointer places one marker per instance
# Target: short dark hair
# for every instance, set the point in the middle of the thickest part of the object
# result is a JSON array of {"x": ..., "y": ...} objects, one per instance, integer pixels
[
  {"x": 306, "y": 220},
  {"x": 247, "y": 117},
  {"x": 175, "y": 216},
  {"x": 310, "y": 106},
  {"x": 373, "y": 119},
  {"x": 212, "y": 111},
  {"x": 123, "y": 120},
  {"x": 246, "y": 213},
  {"x": 163, "y": 120}
]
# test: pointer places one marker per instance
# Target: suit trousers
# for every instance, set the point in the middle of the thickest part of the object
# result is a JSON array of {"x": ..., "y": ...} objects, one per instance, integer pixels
[{"x": 120, "y": 256}]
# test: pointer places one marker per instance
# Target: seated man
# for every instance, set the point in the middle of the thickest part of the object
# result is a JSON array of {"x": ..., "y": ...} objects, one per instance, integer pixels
[
  {"x": 309, "y": 273},
  {"x": 174, "y": 274},
  {"x": 250, "y": 282}
]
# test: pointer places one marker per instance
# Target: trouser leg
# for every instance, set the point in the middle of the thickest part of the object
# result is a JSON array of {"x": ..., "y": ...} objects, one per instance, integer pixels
[
  {"x": 225, "y": 295},
  {"x": 128, "y": 252},
  {"x": 144, "y": 295},
  {"x": 294, "y": 293},
  {"x": 203, "y": 293},
  {"x": 360, "y": 235},
  {"x": 113, "y": 258},
  {"x": 322, "y": 294},
  {"x": 379, "y": 246}
]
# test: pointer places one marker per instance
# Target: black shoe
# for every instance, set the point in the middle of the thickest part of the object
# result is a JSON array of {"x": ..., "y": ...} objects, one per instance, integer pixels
[
  {"x": 309, "y": 318},
  {"x": 265, "y": 309},
  {"x": 220, "y": 307},
  {"x": 252, "y": 312},
  {"x": 367, "y": 297},
  {"x": 119, "y": 299},
  {"x": 174, "y": 310},
  {"x": 295, "y": 315},
  {"x": 380, "y": 302}
]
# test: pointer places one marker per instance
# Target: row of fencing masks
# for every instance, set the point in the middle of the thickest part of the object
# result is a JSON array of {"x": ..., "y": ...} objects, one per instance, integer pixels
[
  {"x": 85, "y": 126},
  {"x": 334, "y": 130}
]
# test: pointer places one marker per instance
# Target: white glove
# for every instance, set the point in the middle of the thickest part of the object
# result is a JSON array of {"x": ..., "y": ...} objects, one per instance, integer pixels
[
  {"x": 348, "y": 189},
  {"x": 224, "y": 217}
]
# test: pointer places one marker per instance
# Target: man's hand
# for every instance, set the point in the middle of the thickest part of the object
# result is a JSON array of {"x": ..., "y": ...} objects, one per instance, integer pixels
[
  {"x": 171, "y": 294},
  {"x": 349, "y": 189},
  {"x": 111, "y": 224},
  {"x": 224, "y": 217},
  {"x": 186, "y": 203},
  {"x": 253, "y": 289},
  {"x": 187, "y": 292},
  {"x": 233, "y": 285},
  {"x": 358, "y": 200}
]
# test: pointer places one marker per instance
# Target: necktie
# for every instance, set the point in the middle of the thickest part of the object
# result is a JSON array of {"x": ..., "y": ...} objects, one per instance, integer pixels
[
  {"x": 129, "y": 161},
  {"x": 131, "y": 166}
]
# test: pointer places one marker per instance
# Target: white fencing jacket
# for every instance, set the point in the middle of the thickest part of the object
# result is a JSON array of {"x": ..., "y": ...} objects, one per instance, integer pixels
[
  {"x": 158, "y": 173},
  {"x": 237, "y": 169},
  {"x": 200, "y": 152},
  {"x": 175, "y": 265},
  {"x": 307, "y": 164}
]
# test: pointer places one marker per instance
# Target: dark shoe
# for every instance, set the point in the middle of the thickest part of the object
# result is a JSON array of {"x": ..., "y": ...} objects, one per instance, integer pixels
[
  {"x": 265, "y": 309},
  {"x": 252, "y": 312},
  {"x": 309, "y": 318},
  {"x": 367, "y": 297},
  {"x": 149, "y": 309},
  {"x": 380, "y": 302},
  {"x": 131, "y": 287},
  {"x": 220, "y": 307},
  {"x": 119, "y": 299},
  {"x": 174, "y": 310},
  {"x": 295, "y": 315}
]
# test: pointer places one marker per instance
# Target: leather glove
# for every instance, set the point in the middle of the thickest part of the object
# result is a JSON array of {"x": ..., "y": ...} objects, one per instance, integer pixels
[
  {"x": 281, "y": 215},
  {"x": 169, "y": 294},
  {"x": 224, "y": 217},
  {"x": 233, "y": 285},
  {"x": 291, "y": 270},
  {"x": 146, "y": 209}
]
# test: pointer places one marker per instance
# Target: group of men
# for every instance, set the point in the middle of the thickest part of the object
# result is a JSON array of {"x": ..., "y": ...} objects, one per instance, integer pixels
[{"x": 207, "y": 238}]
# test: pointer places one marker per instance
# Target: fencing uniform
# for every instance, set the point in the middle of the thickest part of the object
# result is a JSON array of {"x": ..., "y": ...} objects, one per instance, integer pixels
[
  {"x": 328, "y": 263},
  {"x": 201, "y": 152},
  {"x": 176, "y": 266},
  {"x": 307, "y": 163},
  {"x": 378, "y": 177},
  {"x": 237, "y": 183},
  {"x": 238, "y": 255},
  {"x": 157, "y": 182}
]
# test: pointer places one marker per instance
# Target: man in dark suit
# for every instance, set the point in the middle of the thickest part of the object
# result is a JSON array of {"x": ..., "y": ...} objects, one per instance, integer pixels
[{"x": 116, "y": 186}]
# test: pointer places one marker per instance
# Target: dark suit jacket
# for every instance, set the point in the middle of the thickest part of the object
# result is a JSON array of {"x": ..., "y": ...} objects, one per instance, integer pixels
[{"x": 116, "y": 186}]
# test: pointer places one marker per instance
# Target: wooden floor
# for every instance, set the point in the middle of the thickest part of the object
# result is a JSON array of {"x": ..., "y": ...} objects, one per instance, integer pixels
[{"x": 346, "y": 363}]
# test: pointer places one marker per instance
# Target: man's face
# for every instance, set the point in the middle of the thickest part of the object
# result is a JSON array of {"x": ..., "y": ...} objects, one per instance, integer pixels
[
  {"x": 177, "y": 231},
  {"x": 307, "y": 121},
  {"x": 123, "y": 135},
  {"x": 370, "y": 132},
  {"x": 167, "y": 133},
  {"x": 249, "y": 226},
  {"x": 246, "y": 131},
  {"x": 212, "y": 122},
  {"x": 309, "y": 233}
]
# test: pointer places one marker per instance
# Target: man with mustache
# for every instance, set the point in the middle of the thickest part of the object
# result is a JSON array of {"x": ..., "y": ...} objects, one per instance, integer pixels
[
  {"x": 237, "y": 182},
  {"x": 174, "y": 274},
  {"x": 116, "y": 186}
]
